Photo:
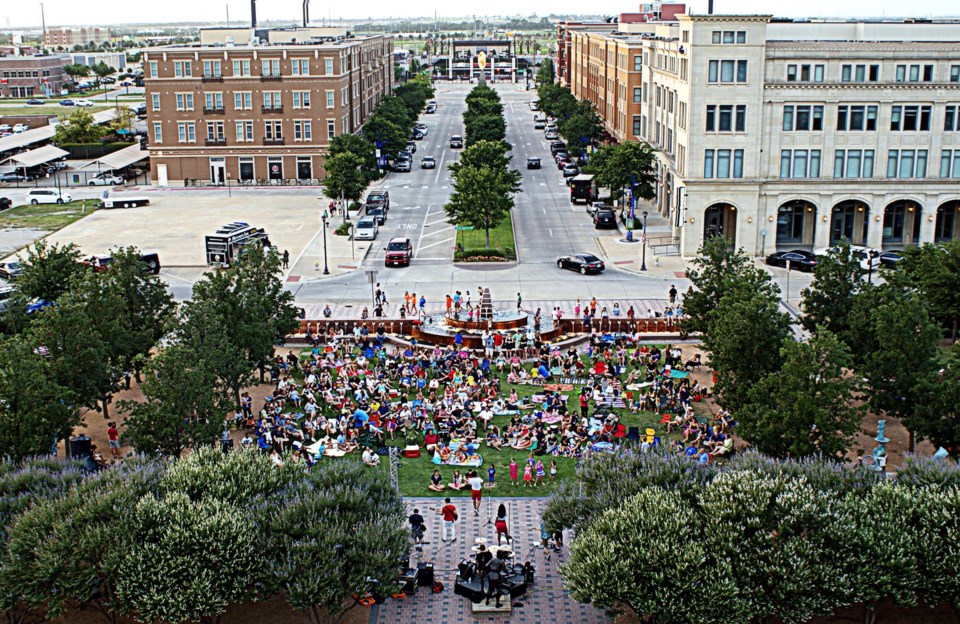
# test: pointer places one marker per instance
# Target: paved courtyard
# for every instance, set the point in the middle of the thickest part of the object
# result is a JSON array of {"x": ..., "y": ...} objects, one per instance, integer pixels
[{"x": 545, "y": 601}]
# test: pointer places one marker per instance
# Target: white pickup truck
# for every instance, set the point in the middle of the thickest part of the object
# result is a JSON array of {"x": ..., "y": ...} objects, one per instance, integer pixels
[{"x": 125, "y": 201}]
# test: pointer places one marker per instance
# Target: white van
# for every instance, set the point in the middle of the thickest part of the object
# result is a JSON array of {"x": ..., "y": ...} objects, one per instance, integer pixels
[{"x": 366, "y": 229}]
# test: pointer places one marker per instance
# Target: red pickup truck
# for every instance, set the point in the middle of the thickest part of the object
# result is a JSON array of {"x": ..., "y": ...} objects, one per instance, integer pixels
[{"x": 399, "y": 252}]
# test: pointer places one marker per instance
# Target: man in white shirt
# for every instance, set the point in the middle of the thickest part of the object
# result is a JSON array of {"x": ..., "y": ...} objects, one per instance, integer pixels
[
  {"x": 370, "y": 458},
  {"x": 476, "y": 490}
]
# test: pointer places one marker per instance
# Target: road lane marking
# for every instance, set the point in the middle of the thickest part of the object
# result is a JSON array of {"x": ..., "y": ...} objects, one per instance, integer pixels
[
  {"x": 446, "y": 240},
  {"x": 446, "y": 229}
]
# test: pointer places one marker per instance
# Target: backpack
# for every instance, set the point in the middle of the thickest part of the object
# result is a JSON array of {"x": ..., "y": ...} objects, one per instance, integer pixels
[{"x": 437, "y": 587}]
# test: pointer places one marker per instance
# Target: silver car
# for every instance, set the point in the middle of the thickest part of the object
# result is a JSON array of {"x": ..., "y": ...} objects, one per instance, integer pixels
[{"x": 366, "y": 229}]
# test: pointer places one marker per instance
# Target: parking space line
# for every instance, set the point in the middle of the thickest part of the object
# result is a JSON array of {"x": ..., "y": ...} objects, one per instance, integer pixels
[{"x": 446, "y": 229}]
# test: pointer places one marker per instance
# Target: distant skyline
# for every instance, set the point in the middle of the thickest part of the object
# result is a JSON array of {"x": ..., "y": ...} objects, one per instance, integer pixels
[{"x": 26, "y": 14}]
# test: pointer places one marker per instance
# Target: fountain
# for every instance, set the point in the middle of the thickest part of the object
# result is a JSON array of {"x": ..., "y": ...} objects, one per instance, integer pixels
[{"x": 443, "y": 329}]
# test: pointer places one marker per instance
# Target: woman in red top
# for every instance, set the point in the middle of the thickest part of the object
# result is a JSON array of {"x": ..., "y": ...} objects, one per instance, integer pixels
[{"x": 501, "y": 524}]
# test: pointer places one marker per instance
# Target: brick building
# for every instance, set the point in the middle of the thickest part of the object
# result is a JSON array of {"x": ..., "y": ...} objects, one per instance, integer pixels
[
  {"x": 34, "y": 75},
  {"x": 68, "y": 37},
  {"x": 259, "y": 113}
]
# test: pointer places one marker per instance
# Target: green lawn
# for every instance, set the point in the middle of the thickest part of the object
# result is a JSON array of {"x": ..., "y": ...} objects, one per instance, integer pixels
[
  {"x": 49, "y": 217},
  {"x": 61, "y": 112},
  {"x": 414, "y": 474},
  {"x": 501, "y": 237}
]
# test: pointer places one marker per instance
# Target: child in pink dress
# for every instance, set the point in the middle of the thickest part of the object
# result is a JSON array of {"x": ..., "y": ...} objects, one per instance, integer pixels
[
  {"x": 513, "y": 471},
  {"x": 527, "y": 475}
]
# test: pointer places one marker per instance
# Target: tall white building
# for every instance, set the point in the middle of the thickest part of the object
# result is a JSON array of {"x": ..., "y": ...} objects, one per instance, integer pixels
[{"x": 781, "y": 134}]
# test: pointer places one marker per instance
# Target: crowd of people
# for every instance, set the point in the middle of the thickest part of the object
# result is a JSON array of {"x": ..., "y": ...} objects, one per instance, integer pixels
[{"x": 354, "y": 393}]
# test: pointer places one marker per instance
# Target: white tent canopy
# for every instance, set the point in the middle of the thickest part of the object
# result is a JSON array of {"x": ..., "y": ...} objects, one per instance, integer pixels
[
  {"x": 37, "y": 156},
  {"x": 119, "y": 159}
]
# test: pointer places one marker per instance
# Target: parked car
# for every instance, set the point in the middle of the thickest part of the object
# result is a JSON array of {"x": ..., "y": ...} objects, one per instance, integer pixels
[
  {"x": 428, "y": 162},
  {"x": 412, "y": 147},
  {"x": 105, "y": 179},
  {"x": 6, "y": 203},
  {"x": 18, "y": 128},
  {"x": 557, "y": 146},
  {"x": 604, "y": 219},
  {"x": 66, "y": 102},
  {"x": 538, "y": 125},
  {"x": 799, "y": 259},
  {"x": 422, "y": 127},
  {"x": 399, "y": 252},
  {"x": 431, "y": 109},
  {"x": 35, "y": 102},
  {"x": 584, "y": 263},
  {"x": 366, "y": 229},
  {"x": 456, "y": 141},
  {"x": 83, "y": 103},
  {"x": 108, "y": 80},
  {"x": 405, "y": 155},
  {"x": 377, "y": 213},
  {"x": 379, "y": 198},
  {"x": 6, "y": 292},
  {"x": 888, "y": 259},
  {"x": 533, "y": 163},
  {"x": 100, "y": 264},
  {"x": 10, "y": 271},
  {"x": 551, "y": 134},
  {"x": 6, "y": 128},
  {"x": 570, "y": 170},
  {"x": 47, "y": 196},
  {"x": 12, "y": 176},
  {"x": 861, "y": 254},
  {"x": 402, "y": 165},
  {"x": 562, "y": 159},
  {"x": 534, "y": 106}
]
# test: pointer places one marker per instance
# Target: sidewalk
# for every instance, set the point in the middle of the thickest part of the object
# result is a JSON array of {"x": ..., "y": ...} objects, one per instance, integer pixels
[
  {"x": 343, "y": 254},
  {"x": 629, "y": 257}
]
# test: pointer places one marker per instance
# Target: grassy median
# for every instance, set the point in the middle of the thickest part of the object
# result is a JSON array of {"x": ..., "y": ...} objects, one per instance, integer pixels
[
  {"x": 49, "y": 217},
  {"x": 502, "y": 244}
]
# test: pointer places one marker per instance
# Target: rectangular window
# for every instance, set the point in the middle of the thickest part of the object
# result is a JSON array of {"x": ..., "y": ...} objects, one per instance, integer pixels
[
  {"x": 636, "y": 125},
  {"x": 270, "y": 67},
  {"x": 213, "y": 101},
  {"x": 950, "y": 164},
  {"x": 242, "y": 100},
  {"x": 711, "y": 117},
  {"x": 155, "y": 98},
  {"x": 800, "y": 163},
  {"x": 788, "y": 117},
  {"x": 846, "y": 73},
  {"x": 241, "y": 68},
  {"x": 791, "y": 73},
  {"x": 723, "y": 163},
  {"x": 301, "y": 99},
  {"x": 803, "y": 118},
  {"x": 157, "y": 132},
  {"x": 328, "y": 66},
  {"x": 728, "y": 36},
  {"x": 273, "y": 130},
  {"x": 300, "y": 67},
  {"x": 186, "y": 132},
  {"x": 708, "y": 163},
  {"x": 741, "y": 36},
  {"x": 183, "y": 69},
  {"x": 741, "y": 71},
  {"x": 725, "y": 119},
  {"x": 874, "y": 73},
  {"x": 215, "y": 131},
  {"x": 951, "y": 120},
  {"x": 244, "y": 131},
  {"x": 818, "y": 73},
  {"x": 785, "y": 158},
  {"x": 330, "y": 99},
  {"x": 861, "y": 73},
  {"x": 901, "y": 73},
  {"x": 211, "y": 69},
  {"x": 185, "y": 101},
  {"x": 955, "y": 73},
  {"x": 154, "y": 70},
  {"x": 910, "y": 118},
  {"x": 726, "y": 71},
  {"x": 907, "y": 163},
  {"x": 805, "y": 73},
  {"x": 741, "y": 119},
  {"x": 331, "y": 128},
  {"x": 856, "y": 117},
  {"x": 712, "y": 71},
  {"x": 636, "y": 95},
  {"x": 738, "y": 163}
]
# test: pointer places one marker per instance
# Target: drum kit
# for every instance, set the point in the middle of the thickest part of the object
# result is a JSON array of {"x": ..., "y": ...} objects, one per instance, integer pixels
[{"x": 500, "y": 552}]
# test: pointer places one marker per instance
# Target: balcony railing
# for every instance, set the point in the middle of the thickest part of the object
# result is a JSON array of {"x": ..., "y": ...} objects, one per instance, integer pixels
[
  {"x": 211, "y": 78},
  {"x": 216, "y": 141},
  {"x": 270, "y": 77},
  {"x": 271, "y": 109},
  {"x": 213, "y": 110},
  {"x": 273, "y": 140}
]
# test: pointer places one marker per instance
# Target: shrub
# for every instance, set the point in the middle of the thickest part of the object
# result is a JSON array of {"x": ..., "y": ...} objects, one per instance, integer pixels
[{"x": 343, "y": 229}]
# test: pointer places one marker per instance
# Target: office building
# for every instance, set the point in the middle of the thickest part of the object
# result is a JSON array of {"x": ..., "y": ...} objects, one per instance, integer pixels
[
  {"x": 780, "y": 134},
  {"x": 32, "y": 75},
  {"x": 256, "y": 113},
  {"x": 66, "y": 38}
]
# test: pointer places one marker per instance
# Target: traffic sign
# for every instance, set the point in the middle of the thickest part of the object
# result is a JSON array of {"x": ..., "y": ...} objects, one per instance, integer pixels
[{"x": 464, "y": 228}]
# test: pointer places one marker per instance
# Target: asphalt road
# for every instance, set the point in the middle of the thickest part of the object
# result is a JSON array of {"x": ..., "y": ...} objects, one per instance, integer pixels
[{"x": 545, "y": 222}]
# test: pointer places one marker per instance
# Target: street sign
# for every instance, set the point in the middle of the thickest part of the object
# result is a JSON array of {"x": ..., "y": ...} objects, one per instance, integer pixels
[{"x": 464, "y": 228}]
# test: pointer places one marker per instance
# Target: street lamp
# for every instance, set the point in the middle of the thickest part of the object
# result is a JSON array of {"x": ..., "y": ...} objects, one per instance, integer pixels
[
  {"x": 326, "y": 269},
  {"x": 874, "y": 254},
  {"x": 643, "y": 264}
]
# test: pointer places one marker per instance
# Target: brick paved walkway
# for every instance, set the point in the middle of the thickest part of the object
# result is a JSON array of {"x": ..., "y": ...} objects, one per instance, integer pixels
[{"x": 545, "y": 601}]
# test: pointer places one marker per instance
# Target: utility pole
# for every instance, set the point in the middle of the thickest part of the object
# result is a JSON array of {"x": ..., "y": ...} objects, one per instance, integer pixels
[{"x": 43, "y": 21}]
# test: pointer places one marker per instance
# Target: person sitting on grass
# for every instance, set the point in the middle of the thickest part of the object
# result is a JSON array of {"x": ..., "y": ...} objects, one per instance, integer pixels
[
  {"x": 457, "y": 483},
  {"x": 370, "y": 458},
  {"x": 493, "y": 438},
  {"x": 436, "y": 482}
]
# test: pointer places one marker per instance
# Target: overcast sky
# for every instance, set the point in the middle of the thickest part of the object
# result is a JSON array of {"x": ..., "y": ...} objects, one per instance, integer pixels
[{"x": 26, "y": 13}]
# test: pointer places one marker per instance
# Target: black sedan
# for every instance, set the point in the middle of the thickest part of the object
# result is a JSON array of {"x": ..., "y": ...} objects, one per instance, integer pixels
[
  {"x": 35, "y": 102},
  {"x": 799, "y": 260},
  {"x": 533, "y": 163},
  {"x": 584, "y": 263},
  {"x": 890, "y": 259}
]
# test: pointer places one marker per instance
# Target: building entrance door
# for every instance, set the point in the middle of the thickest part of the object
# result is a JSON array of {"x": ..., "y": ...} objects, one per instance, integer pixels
[{"x": 218, "y": 170}]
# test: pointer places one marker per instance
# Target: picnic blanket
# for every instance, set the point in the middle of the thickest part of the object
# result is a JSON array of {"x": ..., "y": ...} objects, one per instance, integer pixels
[
  {"x": 552, "y": 419},
  {"x": 318, "y": 448},
  {"x": 678, "y": 374},
  {"x": 602, "y": 447},
  {"x": 473, "y": 461},
  {"x": 561, "y": 387}
]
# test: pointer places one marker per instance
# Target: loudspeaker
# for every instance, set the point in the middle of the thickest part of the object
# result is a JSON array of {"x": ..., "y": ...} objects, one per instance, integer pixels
[
  {"x": 408, "y": 579},
  {"x": 517, "y": 583},
  {"x": 80, "y": 447},
  {"x": 469, "y": 588},
  {"x": 425, "y": 574},
  {"x": 467, "y": 569}
]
